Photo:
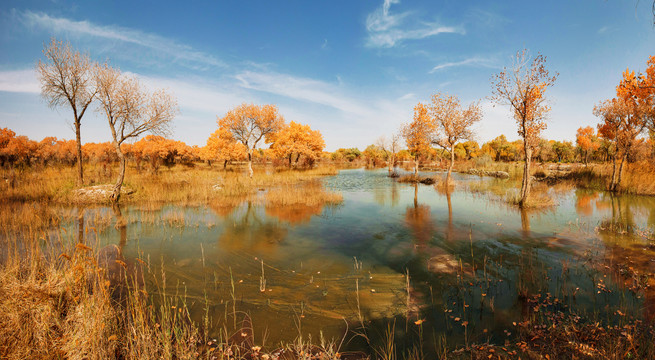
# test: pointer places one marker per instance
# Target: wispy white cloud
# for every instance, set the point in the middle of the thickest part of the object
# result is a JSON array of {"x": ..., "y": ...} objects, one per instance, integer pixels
[
  {"x": 408, "y": 96},
  {"x": 604, "y": 30},
  {"x": 180, "y": 53},
  {"x": 386, "y": 29},
  {"x": 474, "y": 61},
  {"x": 303, "y": 89},
  {"x": 19, "y": 81},
  {"x": 485, "y": 19}
]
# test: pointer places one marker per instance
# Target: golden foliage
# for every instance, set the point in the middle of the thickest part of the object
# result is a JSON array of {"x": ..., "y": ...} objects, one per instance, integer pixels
[
  {"x": 251, "y": 123},
  {"x": 297, "y": 140},
  {"x": 523, "y": 89}
]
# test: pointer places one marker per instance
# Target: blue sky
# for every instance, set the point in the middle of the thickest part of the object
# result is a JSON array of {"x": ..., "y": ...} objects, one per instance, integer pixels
[{"x": 351, "y": 69}]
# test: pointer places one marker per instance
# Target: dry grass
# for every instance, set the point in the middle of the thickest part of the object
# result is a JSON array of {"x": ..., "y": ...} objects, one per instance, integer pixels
[
  {"x": 310, "y": 194},
  {"x": 55, "y": 308},
  {"x": 413, "y": 179},
  {"x": 58, "y": 300},
  {"x": 28, "y": 216},
  {"x": 514, "y": 169},
  {"x": 638, "y": 178},
  {"x": 181, "y": 185}
]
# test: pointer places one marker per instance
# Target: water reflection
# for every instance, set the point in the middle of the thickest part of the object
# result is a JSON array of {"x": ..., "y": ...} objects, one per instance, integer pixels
[
  {"x": 121, "y": 225},
  {"x": 419, "y": 220},
  {"x": 585, "y": 202},
  {"x": 80, "y": 226},
  {"x": 525, "y": 222},
  {"x": 380, "y": 194},
  {"x": 470, "y": 254},
  {"x": 294, "y": 215},
  {"x": 247, "y": 229}
]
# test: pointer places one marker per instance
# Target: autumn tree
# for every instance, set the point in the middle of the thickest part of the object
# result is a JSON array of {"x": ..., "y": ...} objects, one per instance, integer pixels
[
  {"x": 587, "y": 142},
  {"x": 157, "y": 150},
  {"x": 621, "y": 125},
  {"x": 390, "y": 147},
  {"x": 6, "y": 135},
  {"x": 350, "y": 154},
  {"x": 222, "y": 146},
  {"x": 131, "y": 111},
  {"x": 374, "y": 155},
  {"x": 469, "y": 148},
  {"x": 500, "y": 149},
  {"x": 523, "y": 88},
  {"x": 418, "y": 134},
  {"x": 293, "y": 141},
  {"x": 16, "y": 149},
  {"x": 563, "y": 150},
  {"x": 66, "y": 79},
  {"x": 638, "y": 90},
  {"x": 250, "y": 123},
  {"x": 453, "y": 123}
]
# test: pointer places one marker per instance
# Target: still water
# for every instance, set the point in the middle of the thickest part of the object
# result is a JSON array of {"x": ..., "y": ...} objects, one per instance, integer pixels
[{"x": 390, "y": 255}]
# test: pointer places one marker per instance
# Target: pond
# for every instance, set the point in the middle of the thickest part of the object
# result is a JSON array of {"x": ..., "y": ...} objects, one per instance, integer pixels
[{"x": 443, "y": 268}]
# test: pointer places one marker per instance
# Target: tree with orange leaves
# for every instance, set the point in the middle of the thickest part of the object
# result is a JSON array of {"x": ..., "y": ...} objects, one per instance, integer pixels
[
  {"x": 523, "y": 88},
  {"x": 221, "y": 146},
  {"x": 16, "y": 149},
  {"x": 638, "y": 90},
  {"x": 296, "y": 140},
  {"x": 627, "y": 116},
  {"x": 453, "y": 123},
  {"x": 418, "y": 134},
  {"x": 6, "y": 135},
  {"x": 621, "y": 125},
  {"x": 587, "y": 142},
  {"x": 250, "y": 123}
]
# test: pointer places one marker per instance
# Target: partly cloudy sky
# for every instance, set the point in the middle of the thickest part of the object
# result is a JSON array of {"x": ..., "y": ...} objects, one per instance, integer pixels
[{"x": 351, "y": 69}]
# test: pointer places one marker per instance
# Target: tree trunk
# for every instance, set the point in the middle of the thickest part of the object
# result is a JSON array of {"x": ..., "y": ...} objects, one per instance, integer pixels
[
  {"x": 250, "y": 172},
  {"x": 224, "y": 165},
  {"x": 416, "y": 165},
  {"x": 78, "y": 137},
  {"x": 452, "y": 163},
  {"x": 290, "y": 156},
  {"x": 116, "y": 194},
  {"x": 617, "y": 186},
  {"x": 390, "y": 163},
  {"x": 613, "y": 181},
  {"x": 525, "y": 185}
]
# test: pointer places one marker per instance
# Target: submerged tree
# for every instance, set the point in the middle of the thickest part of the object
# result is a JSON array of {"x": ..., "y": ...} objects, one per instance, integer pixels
[
  {"x": 418, "y": 134},
  {"x": 453, "y": 123},
  {"x": 250, "y": 123},
  {"x": 390, "y": 147},
  {"x": 621, "y": 125},
  {"x": 131, "y": 111},
  {"x": 523, "y": 88},
  {"x": 67, "y": 80}
]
